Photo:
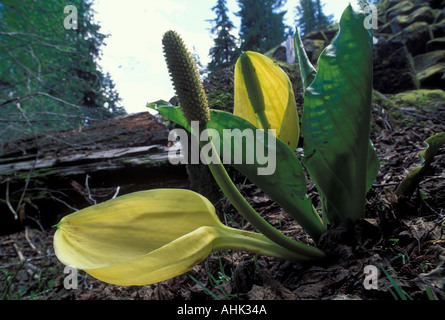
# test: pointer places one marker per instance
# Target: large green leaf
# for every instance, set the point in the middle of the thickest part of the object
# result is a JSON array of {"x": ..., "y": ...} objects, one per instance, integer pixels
[
  {"x": 308, "y": 74},
  {"x": 336, "y": 120},
  {"x": 286, "y": 185}
]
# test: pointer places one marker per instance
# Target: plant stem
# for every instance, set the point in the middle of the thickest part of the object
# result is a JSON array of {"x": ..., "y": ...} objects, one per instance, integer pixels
[
  {"x": 235, "y": 239},
  {"x": 245, "y": 209}
]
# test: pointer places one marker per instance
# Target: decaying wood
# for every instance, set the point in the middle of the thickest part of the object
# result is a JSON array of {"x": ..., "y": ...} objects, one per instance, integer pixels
[{"x": 46, "y": 176}]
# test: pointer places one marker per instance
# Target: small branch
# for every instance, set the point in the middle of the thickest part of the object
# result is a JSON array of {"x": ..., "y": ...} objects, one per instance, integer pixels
[
  {"x": 62, "y": 48},
  {"x": 88, "y": 189},
  {"x": 27, "y": 260},
  {"x": 29, "y": 240},
  {"x": 35, "y": 161},
  {"x": 117, "y": 192},
  {"x": 41, "y": 94},
  {"x": 19, "y": 253},
  {"x": 431, "y": 178},
  {"x": 382, "y": 185},
  {"x": 16, "y": 217},
  {"x": 61, "y": 201}
]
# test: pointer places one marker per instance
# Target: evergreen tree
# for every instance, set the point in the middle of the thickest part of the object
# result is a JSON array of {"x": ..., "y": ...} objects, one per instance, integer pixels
[
  {"x": 225, "y": 51},
  {"x": 322, "y": 19},
  {"x": 49, "y": 76},
  {"x": 306, "y": 16},
  {"x": 262, "y": 25},
  {"x": 310, "y": 16}
]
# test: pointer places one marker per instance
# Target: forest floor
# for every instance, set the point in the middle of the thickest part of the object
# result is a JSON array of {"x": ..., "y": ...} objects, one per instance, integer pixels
[{"x": 402, "y": 237}]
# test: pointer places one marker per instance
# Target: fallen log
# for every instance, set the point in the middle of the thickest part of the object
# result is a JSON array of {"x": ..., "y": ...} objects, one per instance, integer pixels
[{"x": 46, "y": 176}]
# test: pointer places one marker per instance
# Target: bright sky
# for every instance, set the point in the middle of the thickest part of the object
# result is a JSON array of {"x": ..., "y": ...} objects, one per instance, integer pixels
[{"x": 133, "y": 54}]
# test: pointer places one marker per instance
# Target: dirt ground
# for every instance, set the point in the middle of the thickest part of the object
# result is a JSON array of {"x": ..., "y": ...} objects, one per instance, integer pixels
[{"x": 402, "y": 237}]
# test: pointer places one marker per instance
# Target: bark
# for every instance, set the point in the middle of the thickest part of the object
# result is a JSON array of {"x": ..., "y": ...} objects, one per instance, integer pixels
[{"x": 45, "y": 177}]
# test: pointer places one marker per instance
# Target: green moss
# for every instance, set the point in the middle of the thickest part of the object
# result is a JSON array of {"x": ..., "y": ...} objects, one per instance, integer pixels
[
  {"x": 424, "y": 61},
  {"x": 419, "y": 98},
  {"x": 402, "y": 8},
  {"x": 438, "y": 68},
  {"x": 407, "y": 109}
]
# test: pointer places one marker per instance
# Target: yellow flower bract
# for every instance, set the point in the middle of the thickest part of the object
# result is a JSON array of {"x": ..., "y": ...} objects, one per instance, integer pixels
[
  {"x": 279, "y": 98},
  {"x": 140, "y": 238}
]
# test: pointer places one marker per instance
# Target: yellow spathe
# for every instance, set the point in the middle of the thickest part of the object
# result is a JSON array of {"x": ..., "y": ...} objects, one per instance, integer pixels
[
  {"x": 140, "y": 238},
  {"x": 279, "y": 98}
]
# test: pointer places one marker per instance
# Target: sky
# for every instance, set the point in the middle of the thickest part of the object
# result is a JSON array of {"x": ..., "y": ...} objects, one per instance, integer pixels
[{"x": 133, "y": 53}]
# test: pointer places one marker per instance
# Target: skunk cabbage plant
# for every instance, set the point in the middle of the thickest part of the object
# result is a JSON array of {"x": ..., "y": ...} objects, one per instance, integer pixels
[{"x": 151, "y": 236}]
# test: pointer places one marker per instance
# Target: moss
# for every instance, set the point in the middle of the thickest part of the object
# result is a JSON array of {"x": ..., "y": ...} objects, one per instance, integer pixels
[
  {"x": 402, "y": 8},
  {"x": 424, "y": 61},
  {"x": 436, "y": 69},
  {"x": 436, "y": 44},
  {"x": 419, "y": 98},
  {"x": 407, "y": 109}
]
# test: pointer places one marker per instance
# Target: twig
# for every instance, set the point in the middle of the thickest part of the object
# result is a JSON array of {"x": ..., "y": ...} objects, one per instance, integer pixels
[
  {"x": 35, "y": 161},
  {"x": 19, "y": 253},
  {"x": 117, "y": 192},
  {"x": 62, "y": 48},
  {"x": 61, "y": 201},
  {"x": 415, "y": 114},
  {"x": 431, "y": 178},
  {"x": 37, "y": 222},
  {"x": 30, "y": 242},
  {"x": 48, "y": 113},
  {"x": 16, "y": 217},
  {"x": 41, "y": 94},
  {"x": 27, "y": 260},
  {"x": 385, "y": 184},
  {"x": 88, "y": 189}
]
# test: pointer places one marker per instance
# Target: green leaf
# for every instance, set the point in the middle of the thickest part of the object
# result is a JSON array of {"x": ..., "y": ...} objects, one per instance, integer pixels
[
  {"x": 286, "y": 185},
  {"x": 412, "y": 180},
  {"x": 307, "y": 70},
  {"x": 308, "y": 74},
  {"x": 154, "y": 105},
  {"x": 336, "y": 120}
]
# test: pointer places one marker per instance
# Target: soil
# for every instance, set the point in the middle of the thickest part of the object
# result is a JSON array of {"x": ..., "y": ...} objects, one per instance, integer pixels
[{"x": 403, "y": 237}]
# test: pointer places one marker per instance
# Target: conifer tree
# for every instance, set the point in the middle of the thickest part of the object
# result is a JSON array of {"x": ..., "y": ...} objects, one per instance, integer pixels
[
  {"x": 310, "y": 16},
  {"x": 321, "y": 18},
  {"x": 225, "y": 51},
  {"x": 262, "y": 25},
  {"x": 50, "y": 78}
]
